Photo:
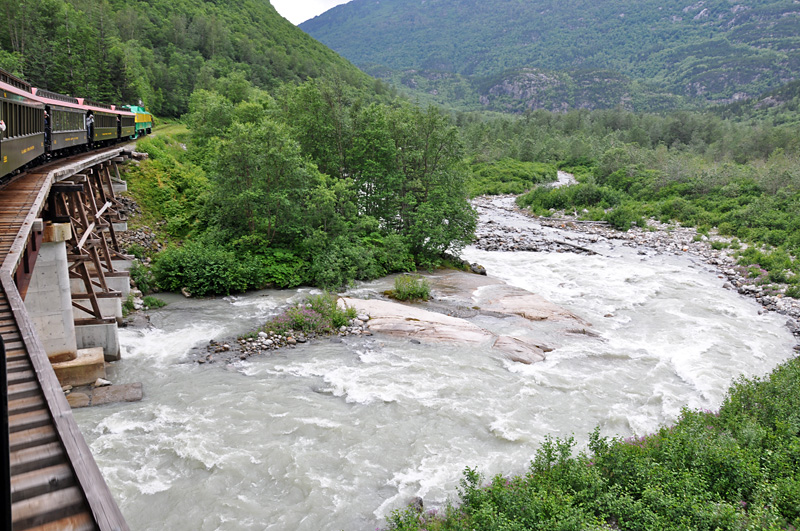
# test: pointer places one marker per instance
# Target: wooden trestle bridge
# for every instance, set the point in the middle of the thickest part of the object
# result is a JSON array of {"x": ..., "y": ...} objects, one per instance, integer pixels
[{"x": 50, "y": 480}]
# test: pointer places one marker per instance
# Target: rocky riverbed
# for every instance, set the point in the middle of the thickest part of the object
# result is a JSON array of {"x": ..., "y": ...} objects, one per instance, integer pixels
[
  {"x": 500, "y": 230},
  {"x": 565, "y": 233},
  {"x": 455, "y": 315}
]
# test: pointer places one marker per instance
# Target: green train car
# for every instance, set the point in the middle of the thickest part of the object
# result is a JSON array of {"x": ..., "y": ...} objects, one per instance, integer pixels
[{"x": 144, "y": 120}]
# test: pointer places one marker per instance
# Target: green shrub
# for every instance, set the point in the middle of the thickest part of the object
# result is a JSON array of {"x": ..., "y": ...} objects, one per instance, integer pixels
[
  {"x": 411, "y": 287},
  {"x": 142, "y": 276},
  {"x": 625, "y": 216},
  {"x": 127, "y": 306},
  {"x": 202, "y": 269},
  {"x": 318, "y": 314},
  {"x": 138, "y": 251},
  {"x": 151, "y": 302}
]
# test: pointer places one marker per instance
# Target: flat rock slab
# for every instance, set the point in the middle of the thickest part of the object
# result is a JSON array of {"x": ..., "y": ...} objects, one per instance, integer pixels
[
  {"x": 402, "y": 320},
  {"x": 490, "y": 294},
  {"x": 109, "y": 394},
  {"x": 409, "y": 321},
  {"x": 516, "y": 301}
]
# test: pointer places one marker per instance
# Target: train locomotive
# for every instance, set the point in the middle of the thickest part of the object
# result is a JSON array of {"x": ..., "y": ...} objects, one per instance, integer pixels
[{"x": 38, "y": 124}]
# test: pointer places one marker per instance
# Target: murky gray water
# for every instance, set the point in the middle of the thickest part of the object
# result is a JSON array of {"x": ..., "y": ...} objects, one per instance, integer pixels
[{"x": 335, "y": 436}]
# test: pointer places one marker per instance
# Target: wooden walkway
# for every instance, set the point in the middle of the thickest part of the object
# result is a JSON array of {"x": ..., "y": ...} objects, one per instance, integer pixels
[{"x": 55, "y": 482}]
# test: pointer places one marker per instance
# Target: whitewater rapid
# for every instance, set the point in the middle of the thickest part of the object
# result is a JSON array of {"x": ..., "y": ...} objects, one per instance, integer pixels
[{"x": 332, "y": 436}]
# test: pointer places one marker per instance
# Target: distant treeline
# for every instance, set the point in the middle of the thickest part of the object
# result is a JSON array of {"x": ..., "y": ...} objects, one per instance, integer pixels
[
  {"x": 740, "y": 177},
  {"x": 158, "y": 51}
]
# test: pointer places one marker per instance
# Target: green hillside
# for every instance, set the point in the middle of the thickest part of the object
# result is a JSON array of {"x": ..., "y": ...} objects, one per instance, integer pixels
[
  {"x": 515, "y": 55},
  {"x": 159, "y": 51}
]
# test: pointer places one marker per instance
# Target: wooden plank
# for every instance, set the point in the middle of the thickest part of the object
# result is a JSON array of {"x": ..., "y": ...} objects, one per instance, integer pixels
[
  {"x": 16, "y": 356},
  {"x": 16, "y": 344},
  {"x": 21, "y": 376},
  {"x": 24, "y": 405},
  {"x": 46, "y": 508},
  {"x": 28, "y": 421},
  {"x": 15, "y": 254},
  {"x": 18, "y": 365},
  {"x": 34, "y": 437},
  {"x": 36, "y": 457},
  {"x": 76, "y": 522},
  {"x": 15, "y": 392},
  {"x": 38, "y": 482}
]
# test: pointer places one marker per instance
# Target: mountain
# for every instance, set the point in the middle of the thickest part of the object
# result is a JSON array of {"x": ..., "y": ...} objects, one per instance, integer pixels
[
  {"x": 527, "y": 54},
  {"x": 159, "y": 50}
]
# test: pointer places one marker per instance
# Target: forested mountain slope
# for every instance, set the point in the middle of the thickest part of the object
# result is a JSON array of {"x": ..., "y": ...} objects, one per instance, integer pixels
[
  {"x": 158, "y": 50},
  {"x": 513, "y": 55}
]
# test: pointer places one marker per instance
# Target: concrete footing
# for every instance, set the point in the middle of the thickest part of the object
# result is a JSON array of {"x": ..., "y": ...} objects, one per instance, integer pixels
[
  {"x": 86, "y": 368},
  {"x": 104, "y": 336}
]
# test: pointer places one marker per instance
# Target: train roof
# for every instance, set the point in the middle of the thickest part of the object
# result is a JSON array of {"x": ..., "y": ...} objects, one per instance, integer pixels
[
  {"x": 14, "y": 85},
  {"x": 21, "y": 94},
  {"x": 14, "y": 81},
  {"x": 54, "y": 98},
  {"x": 102, "y": 107}
]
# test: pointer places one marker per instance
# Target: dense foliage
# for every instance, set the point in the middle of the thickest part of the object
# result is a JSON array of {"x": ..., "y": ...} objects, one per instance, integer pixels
[
  {"x": 728, "y": 470},
  {"x": 159, "y": 51},
  {"x": 514, "y": 55},
  {"x": 316, "y": 185}
]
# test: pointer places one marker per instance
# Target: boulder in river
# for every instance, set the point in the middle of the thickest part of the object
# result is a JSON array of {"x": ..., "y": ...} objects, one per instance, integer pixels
[{"x": 518, "y": 350}]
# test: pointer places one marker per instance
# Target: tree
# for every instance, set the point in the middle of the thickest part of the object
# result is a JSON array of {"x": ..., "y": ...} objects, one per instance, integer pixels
[
  {"x": 261, "y": 184},
  {"x": 434, "y": 211}
]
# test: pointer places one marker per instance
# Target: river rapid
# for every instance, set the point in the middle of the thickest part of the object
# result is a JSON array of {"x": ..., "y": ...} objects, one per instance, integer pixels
[{"x": 332, "y": 436}]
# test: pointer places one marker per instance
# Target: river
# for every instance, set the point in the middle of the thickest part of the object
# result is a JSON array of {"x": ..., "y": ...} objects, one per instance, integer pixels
[{"x": 332, "y": 436}]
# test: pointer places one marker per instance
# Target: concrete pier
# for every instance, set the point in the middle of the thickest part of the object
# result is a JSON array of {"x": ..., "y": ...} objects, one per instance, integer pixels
[{"x": 48, "y": 299}]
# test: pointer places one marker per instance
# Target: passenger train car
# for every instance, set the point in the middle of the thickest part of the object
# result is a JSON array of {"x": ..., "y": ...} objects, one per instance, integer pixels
[{"x": 39, "y": 124}]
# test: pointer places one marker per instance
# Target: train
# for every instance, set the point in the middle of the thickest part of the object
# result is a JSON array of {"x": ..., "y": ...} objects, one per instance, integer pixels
[{"x": 37, "y": 124}]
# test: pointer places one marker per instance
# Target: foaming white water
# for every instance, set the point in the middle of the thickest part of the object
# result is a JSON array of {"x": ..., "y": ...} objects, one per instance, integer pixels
[{"x": 334, "y": 436}]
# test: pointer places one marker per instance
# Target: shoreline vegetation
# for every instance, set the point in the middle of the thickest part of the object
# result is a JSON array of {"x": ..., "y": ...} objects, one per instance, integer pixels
[{"x": 735, "y": 468}]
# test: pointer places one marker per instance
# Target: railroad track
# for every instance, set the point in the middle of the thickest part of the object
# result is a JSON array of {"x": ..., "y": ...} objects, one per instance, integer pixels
[{"x": 55, "y": 483}]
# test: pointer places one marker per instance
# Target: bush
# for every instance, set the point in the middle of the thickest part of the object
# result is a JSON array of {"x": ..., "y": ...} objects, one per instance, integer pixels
[
  {"x": 138, "y": 251},
  {"x": 201, "y": 269},
  {"x": 142, "y": 276},
  {"x": 127, "y": 305},
  {"x": 318, "y": 314},
  {"x": 625, "y": 216},
  {"x": 151, "y": 302},
  {"x": 793, "y": 292},
  {"x": 411, "y": 287}
]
